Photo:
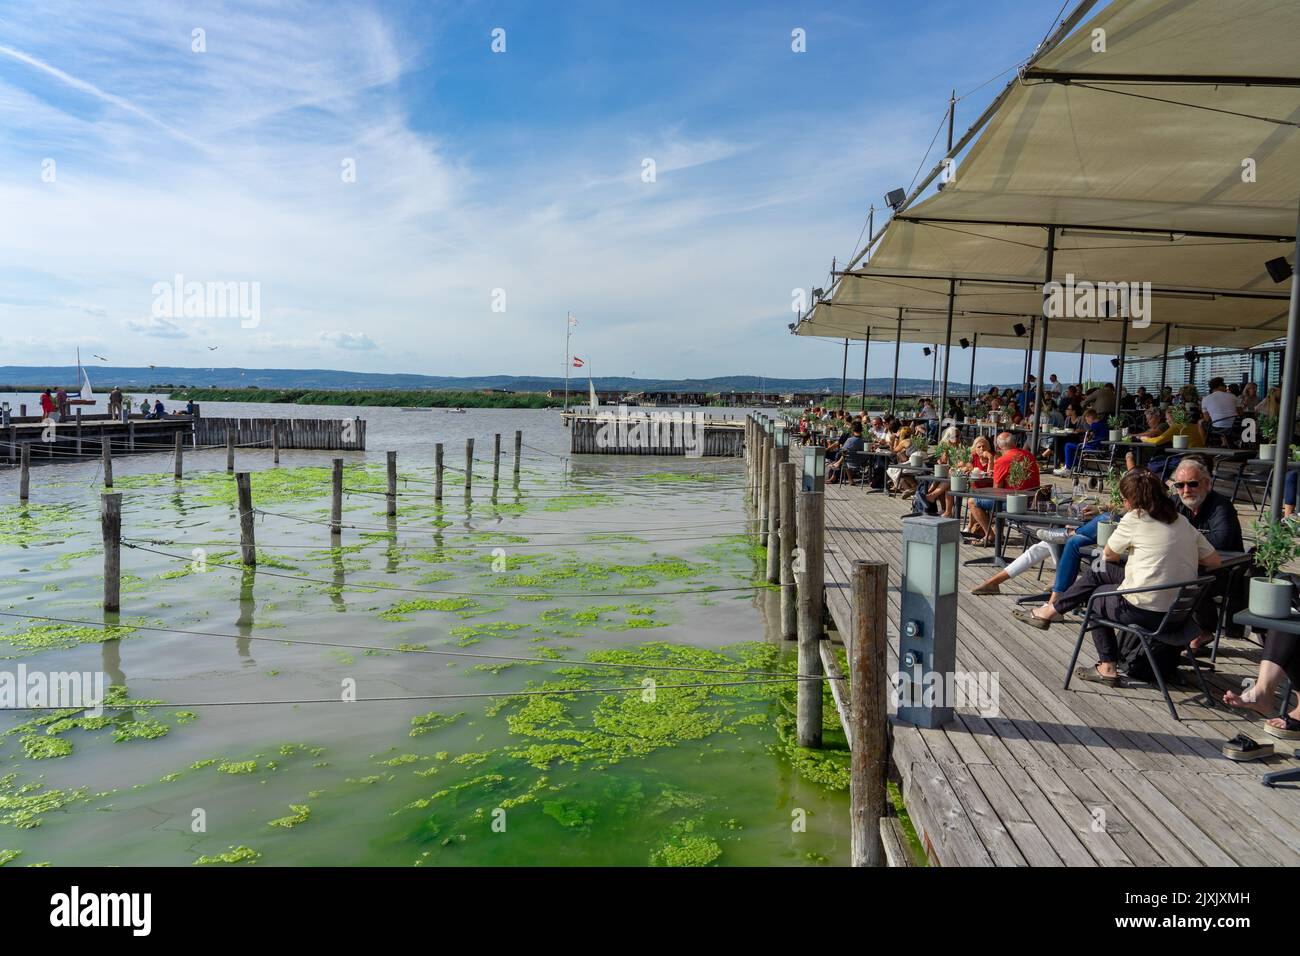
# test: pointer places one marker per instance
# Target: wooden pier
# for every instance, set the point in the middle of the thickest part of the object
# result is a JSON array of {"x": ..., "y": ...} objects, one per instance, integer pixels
[
  {"x": 1092, "y": 776},
  {"x": 676, "y": 433},
  {"x": 322, "y": 434}
]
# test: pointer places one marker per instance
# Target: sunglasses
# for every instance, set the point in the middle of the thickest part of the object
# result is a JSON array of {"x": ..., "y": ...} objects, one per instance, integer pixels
[{"x": 1180, "y": 485}]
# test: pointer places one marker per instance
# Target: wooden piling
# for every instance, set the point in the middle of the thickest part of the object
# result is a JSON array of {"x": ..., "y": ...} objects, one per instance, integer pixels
[
  {"x": 868, "y": 711},
  {"x": 230, "y": 450},
  {"x": 809, "y": 523},
  {"x": 766, "y": 453},
  {"x": 496, "y": 458},
  {"x": 390, "y": 498},
  {"x": 25, "y": 473},
  {"x": 469, "y": 464},
  {"x": 178, "y": 457},
  {"x": 110, "y": 519},
  {"x": 519, "y": 445},
  {"x": 130, "y": 436},
  {"x": 78, "y": 430},
  {"x": 275, "y": 442},
  {"x": 336, "y": 499},
  {"x": 789, "y": 617},
  {"x": 437, "y": 464},
  {"x": 774, "y": 516},
  {"x": 247, "y": 544},
  {"x": 106, "y": 453}
]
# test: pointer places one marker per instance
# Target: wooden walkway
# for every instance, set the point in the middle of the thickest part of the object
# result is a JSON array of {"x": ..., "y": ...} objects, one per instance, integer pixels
[{"x": 1092, "y": 776}]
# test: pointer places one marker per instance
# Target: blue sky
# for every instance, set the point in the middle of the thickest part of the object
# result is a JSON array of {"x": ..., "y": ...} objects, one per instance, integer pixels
[{"x": 128, "y": 157}]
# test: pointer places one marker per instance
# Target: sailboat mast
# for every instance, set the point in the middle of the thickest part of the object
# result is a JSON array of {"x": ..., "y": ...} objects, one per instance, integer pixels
[{"x": 568, "y": 331}]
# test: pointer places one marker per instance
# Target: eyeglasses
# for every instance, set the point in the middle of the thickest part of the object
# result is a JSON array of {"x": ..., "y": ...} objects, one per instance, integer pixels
[{"x": 1180, "y": 485}]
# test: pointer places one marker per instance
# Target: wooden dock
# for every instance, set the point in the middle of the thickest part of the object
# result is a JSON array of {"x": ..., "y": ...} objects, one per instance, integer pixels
[
  {"x": 1092, "y": 776},
  {"x": 678, "y": 433}
]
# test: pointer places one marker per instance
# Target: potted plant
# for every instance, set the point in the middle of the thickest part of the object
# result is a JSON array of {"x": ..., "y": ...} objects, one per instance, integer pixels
[
  {"x": 1180, "y": 418},
  {"x": 919, "y": 448},
  {"x": 947, "y": 454},
  {"x": 1107, "y": 524},
  {"x": 1017, "y": 475},
  {"x": 1267, "y": 433},
  {"x": 959, "y": 478},
  {"x": 1116, "y": 424},
  {"x": 1275, "y": 545}
]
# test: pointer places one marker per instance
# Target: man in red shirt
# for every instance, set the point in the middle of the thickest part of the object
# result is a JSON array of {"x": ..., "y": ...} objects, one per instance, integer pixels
[{"x": 982, "y": 508}]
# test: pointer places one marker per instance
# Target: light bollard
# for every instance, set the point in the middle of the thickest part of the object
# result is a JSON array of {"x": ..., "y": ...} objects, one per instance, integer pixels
[{"x": 927, "y": 644}]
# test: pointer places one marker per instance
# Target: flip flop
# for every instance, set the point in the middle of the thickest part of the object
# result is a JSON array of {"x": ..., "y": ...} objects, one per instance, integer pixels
[
  {"x": 1290, "y": 732},
  {"x": 1093, "y": 676},
  {"x": 1242, "y": 747}
]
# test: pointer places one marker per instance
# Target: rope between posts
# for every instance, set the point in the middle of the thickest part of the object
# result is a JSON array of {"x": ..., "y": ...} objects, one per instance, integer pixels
[{"x": 396, "y": 587}]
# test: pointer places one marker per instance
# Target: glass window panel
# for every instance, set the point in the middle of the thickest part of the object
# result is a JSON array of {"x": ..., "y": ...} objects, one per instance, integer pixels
[{"x": 919, "y": 563}]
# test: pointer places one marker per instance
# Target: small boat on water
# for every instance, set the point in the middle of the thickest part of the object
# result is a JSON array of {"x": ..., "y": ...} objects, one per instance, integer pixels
[
  {"x": 454, "y": 411},
  {"x": 87, "y": 393}
]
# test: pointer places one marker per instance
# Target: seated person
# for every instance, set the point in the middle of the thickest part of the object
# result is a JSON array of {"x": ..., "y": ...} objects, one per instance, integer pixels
[
  {"x": 1219, "y": 406},
  {"x": 1280, "y": 658},
  {"x": 852, "y": 443},
  {"x": 936, "y": 499},
  {"x": 1195, "y": 438},
  {"x": 982, "y": 508},
  {"x": 1094, "y": 434},
  {"x": 1214, "y": 516},
  {"x": 1161, "y": 548},
  {"x": 901, "y": 448}
]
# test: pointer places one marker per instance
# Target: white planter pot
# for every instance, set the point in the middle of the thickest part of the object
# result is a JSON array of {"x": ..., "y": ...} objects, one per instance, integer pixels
[
  {"x": 1115, "y": 434},
  {"x": 1104, "y": 529},
  {"x": 960, "y": 483},
  {"x": 916, "y": 459},
  {"x": 1182, "y": 441},
  {"x": 1017, "y": 504},
  {"x": 1266, "y": 452},
  {"x": 940, "y": 471},
  {"x": 1270, "y": 597}
]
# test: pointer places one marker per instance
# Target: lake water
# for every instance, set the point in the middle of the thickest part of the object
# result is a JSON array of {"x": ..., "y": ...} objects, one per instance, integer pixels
[{"x": 430, "y": 621}]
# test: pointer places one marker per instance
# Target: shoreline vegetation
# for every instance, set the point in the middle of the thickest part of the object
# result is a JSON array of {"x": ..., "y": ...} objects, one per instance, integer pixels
[{"x": 391, "y": 399}]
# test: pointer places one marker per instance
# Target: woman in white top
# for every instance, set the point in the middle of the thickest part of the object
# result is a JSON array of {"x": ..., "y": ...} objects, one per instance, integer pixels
[{"x": 1161, "y": 548}]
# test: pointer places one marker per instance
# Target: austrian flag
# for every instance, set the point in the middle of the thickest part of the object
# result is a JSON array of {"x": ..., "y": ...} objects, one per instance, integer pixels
[{"x": 577, "y": 362}]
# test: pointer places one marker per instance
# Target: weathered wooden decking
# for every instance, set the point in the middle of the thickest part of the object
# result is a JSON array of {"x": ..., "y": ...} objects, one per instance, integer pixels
[{"x": 1092, "y": 776}]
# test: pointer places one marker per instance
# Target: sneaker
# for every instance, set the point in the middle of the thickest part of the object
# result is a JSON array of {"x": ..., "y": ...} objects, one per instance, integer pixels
[
  {"x": 1061, "y": 472},
  {"x": 1052, "y": 535}
]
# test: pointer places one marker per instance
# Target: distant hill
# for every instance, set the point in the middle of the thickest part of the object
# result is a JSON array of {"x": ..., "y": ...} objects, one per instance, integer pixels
[{"x": 104, "y": 377}]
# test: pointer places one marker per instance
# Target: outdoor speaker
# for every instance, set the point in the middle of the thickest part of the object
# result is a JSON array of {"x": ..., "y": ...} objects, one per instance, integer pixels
[
  {"x": 1018, "y": 329},
  {"x": 894, "y": 198},
  {"x": 965, "y": 343},
  {"x": 1279, "y": 270}
]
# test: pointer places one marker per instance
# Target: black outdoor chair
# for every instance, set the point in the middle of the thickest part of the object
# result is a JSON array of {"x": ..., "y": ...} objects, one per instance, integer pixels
[
  {"x": 1189, "y": 595},
  {"x": 857, "y": 465},
  {"x": 1253, "y": 476},
  {"x": 1230, "y": 574}
]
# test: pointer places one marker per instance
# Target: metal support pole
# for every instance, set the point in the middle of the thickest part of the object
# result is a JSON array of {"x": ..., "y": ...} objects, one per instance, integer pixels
[
  {"x": 844, "y": 377},
  {"x": 1164, "y": 359},
  {"x": 1042, "y": 349},
  {"x": 947, "y": 352},
  {"x": 866, "y": 352},
  {"x": 1083, "y": 347},
  {"x": 974, "y": 345},
  {"x": 1286, "y": 412},
  {"x": 1119, "y": 367},
  {"x": 898, "y": 347}
]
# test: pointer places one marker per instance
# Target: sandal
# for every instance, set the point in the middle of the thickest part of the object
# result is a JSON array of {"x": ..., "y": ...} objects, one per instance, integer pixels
[
  {"x": 1026, "y": 617},
  {"x": 1094, "y": 676},
  {"x": 1242, "y": 747},
  {"x": 986, "y": 588},
  {"x": 1289, "y": 731}
]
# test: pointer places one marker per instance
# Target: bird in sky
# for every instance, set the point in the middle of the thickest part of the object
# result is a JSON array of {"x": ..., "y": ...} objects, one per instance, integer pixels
[
  {"x": 213, "y": 348},
  {"x": 101, "y": 358}
]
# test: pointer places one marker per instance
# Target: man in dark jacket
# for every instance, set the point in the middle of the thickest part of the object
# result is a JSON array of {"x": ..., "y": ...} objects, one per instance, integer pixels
[{"x": 1213, "y": 515}]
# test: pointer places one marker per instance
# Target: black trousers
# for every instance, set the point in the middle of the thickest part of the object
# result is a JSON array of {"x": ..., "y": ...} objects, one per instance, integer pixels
[
  {"x": 1284, "y": 651},
  {"x": 1113, "y": 648}
]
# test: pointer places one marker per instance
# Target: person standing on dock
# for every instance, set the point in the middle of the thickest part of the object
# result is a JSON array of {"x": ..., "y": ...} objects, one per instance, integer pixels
[
  {"x": 48, "y": 409},
  {"x": 61, "y": 400},
  {"x": 115, "y": 402}
]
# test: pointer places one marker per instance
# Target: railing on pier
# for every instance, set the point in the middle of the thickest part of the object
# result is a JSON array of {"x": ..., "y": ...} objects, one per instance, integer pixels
[{"x": 327, "y": 434}]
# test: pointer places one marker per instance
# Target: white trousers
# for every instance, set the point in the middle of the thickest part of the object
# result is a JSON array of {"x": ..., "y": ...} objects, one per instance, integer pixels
[{"x": 1033, "y": 555}]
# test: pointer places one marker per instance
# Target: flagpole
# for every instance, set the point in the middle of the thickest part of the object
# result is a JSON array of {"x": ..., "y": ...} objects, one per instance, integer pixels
[{"x": 568, "y": 331}]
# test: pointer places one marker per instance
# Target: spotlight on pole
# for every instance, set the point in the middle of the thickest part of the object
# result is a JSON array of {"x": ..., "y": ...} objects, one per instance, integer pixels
[
  {"x": 926, "y": 350},
  {"x": 1019, "y": 329},
  {"x": 1279, "y": 270},
  {"x": 965, "y": 343},
  {"x": 1114, "y": 363},
  {"x": 894, "y": 198}
]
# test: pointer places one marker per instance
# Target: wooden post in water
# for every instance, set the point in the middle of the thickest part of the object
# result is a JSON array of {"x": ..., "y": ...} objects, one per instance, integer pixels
[
  {"x": 336, "y": 499},
  {"x": 810, "y": 525},
  {"x": 247, "y": 545},
  {"x": 106, "y": 453},
  {"x": 110, "y": 520},
  {"x": 275, "y": 443},
  {"x": 774, "y": 516},
  {"x": 78, "y": 429},
  {"x": 390, "y": 498},
  {"x": 764, "y": 473},
  {"x": 230, "y": 450},
  {"x": 868, "y": 712},
  {"x": 178, "y": 457},
  {"x": 496, "y": 459},
  {"x": 25, "y": 473},
  {"x": 519, "y": 444},
  {"x": 437, "y": 464},
  {"x": 789, "y": 619},
  {"x": 130, "y": 436},
  {"x": 469, "y": 464}
]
